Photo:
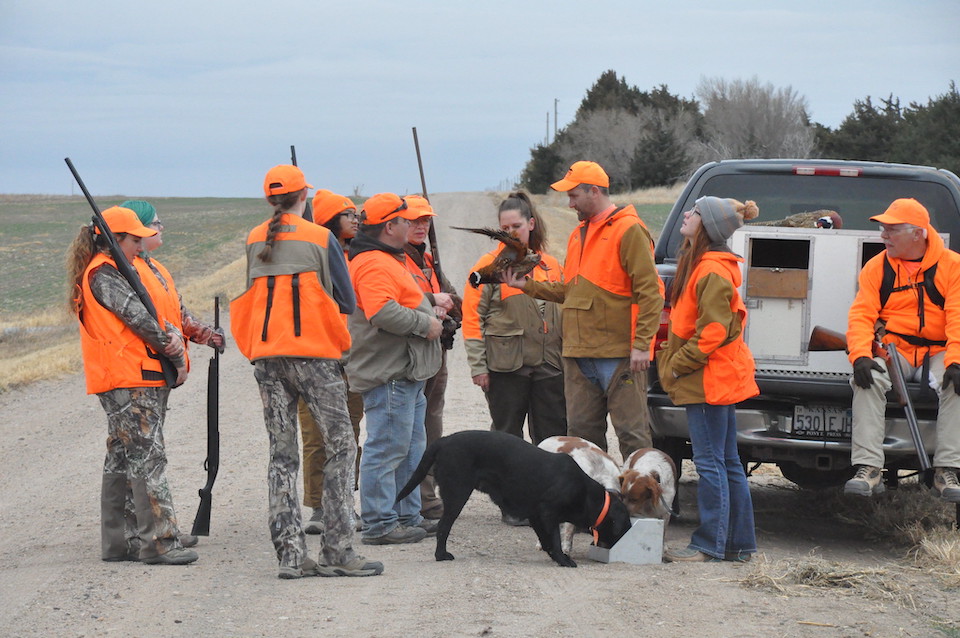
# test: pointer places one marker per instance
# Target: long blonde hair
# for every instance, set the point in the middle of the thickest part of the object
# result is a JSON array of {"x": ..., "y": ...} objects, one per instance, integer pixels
[{"x": 82, "y": 249}]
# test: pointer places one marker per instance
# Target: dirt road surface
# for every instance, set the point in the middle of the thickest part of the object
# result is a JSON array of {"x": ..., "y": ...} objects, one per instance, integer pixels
[{"x": 52, "y": 582}]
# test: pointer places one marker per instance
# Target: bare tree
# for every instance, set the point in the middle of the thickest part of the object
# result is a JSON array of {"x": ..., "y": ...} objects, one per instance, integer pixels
[
  {"x": 743, "y": 118},
  {"x": 608, "y": 137}
]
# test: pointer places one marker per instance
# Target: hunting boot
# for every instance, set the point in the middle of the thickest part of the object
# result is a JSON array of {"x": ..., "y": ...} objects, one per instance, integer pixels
[
  {"x": 945, "y": 484},
  {"x": 154, "y": 550},
  {"x": 866, "y": 482},
  {"x": 114, "y": 544}
]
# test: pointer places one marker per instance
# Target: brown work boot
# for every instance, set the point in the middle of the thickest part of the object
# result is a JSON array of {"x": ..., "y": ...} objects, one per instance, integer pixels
[
  {"x": 866, "y": 482},
  {"x": 945, "y": 484}
]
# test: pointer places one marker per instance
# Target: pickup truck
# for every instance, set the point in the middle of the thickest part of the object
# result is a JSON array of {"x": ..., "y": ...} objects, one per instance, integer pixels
[{"x": 795, "y": 279}]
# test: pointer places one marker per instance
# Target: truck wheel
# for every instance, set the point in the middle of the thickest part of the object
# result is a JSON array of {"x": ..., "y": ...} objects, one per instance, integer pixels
[{"x": 809, "y": 478}]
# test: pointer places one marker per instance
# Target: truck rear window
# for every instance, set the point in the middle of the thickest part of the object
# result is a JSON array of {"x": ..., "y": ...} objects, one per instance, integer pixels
[{"x": 856, "y": 199}]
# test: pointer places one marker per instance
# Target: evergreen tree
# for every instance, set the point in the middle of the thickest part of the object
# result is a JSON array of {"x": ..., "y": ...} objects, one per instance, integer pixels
[
  {"x": 930, "y": 134},
  {"x": 659, "y": 160},
  {"x": 544, "y": 168},
  {"x": 867, "y": 133}
]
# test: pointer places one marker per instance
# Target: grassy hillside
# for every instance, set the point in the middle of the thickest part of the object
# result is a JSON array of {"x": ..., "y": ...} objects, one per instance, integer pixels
[{"x": 203, "y": 239}]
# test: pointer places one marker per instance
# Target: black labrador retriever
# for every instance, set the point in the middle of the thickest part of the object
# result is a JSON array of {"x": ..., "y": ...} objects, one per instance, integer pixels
[{"x": 525, "y": 482}]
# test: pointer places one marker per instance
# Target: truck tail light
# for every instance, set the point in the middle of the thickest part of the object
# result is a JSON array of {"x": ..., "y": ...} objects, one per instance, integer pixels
[{"x": 831, "y": 171}]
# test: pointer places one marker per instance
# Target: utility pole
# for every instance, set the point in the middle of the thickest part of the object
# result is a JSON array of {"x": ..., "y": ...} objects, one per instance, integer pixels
[{"x": 555, "y": 100}]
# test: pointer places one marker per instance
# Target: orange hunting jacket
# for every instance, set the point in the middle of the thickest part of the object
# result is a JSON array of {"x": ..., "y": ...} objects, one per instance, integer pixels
[
  {"x": 611, "y": 293},
  {"x": 902, "y": 311},
  {"x": 705, "y": 359},
  {"x": 504, "y": 329}
]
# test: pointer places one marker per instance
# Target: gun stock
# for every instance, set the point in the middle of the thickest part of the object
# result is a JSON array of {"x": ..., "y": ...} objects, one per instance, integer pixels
[
  {"x": 900, "y": 387},
  {"x": 201, "y": 524},
  {"x": 826, "y": 340},
  {"x": 126, "y": 269}
]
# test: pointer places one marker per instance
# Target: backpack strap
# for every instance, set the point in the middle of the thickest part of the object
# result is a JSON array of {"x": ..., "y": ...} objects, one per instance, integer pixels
[{"x": 271, "y": 281}]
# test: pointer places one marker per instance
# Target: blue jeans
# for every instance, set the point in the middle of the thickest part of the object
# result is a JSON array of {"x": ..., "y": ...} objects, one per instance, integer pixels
[
  {"x": 395, "y": 443},
  {"x": 723, "y": 495},
  {"x": 598, "y": 371}
]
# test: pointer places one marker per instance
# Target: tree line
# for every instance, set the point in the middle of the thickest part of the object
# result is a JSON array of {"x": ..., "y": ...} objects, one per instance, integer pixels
[{"x": 655, "y": 138}]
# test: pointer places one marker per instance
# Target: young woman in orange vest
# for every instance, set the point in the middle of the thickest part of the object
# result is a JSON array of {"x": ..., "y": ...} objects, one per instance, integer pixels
[
  {"x": 513, "y": 340},
  {"x": 706, "y": 367},
  {"x": 338, "y": 214},
  {"x": 193, "y": 329},
  {"x": 289, "y": 324},
  {"x": 120, "y": 341}
]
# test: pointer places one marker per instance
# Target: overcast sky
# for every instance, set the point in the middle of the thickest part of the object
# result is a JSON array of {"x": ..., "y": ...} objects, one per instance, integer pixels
[{"x": 201, "y": 98}]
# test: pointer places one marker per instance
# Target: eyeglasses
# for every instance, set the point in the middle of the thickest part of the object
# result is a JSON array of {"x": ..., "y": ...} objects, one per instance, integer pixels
[{"x": 351, "y": 216}]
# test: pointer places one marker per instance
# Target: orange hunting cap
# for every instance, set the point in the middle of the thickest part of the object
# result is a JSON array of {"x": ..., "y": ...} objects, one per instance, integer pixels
[
  {"x": 904, "y": 211},
  {"x": 384, "y": 207},
  {"x": 124, "y": 220},
  {"x": 582, "y": 173},
  {"x": 419, "y": 205},
  {"x": 284, "y": 179},
  {"x": 327, "y": 205}
]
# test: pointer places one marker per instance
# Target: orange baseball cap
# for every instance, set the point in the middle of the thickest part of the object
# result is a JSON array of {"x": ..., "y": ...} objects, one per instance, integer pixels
[
  {"x": 904, "y": 211},
  {"x": 384, "y": 207},
  {"x": 124, "y": 220},
  {"x": 420, "y": 205},
  {"x": 284, "y": 178},
  {"x": 582, "y": 173},
  {"x": 327, "y": 205}
]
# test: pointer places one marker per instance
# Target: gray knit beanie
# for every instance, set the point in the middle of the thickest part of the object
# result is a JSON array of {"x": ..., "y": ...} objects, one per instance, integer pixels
[{"x": 720, "y": 218}]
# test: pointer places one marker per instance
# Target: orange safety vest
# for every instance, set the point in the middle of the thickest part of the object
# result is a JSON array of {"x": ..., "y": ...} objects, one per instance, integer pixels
[
  {"x": 289, "y": 310},
  {"x": 420, "y": 275},
  {"x": 601, "y": 241},
  {"x": 169, "y": 306},
  {"x": 113, "y": 355},
  {"x": 709, "y": 363}
]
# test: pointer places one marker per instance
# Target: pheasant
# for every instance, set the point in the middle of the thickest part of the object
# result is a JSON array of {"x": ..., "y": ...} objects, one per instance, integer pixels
[
  {"x": 815, "y": 219},
  {"x": 515, "y": 255}
]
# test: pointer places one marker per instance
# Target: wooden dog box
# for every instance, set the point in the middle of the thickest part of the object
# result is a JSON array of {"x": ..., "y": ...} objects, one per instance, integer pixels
[{"x": 641, "y": 545}]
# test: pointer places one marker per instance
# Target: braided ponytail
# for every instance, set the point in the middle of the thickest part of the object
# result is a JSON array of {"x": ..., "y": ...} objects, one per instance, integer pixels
[{"x": 281, "y": 204}]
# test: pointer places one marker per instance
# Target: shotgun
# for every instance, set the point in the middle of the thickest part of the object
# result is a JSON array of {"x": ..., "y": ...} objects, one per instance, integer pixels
[
  {"x": 900, "y": 385},
  {"x": 432, "y": 232},
  {"x": 826, "y": 340},
  {"x": 308, "y": 211},
  {"x": 129, "y": 273},
  {"x": 453, "y": 321},
  {"x": 201, "y": 524}
]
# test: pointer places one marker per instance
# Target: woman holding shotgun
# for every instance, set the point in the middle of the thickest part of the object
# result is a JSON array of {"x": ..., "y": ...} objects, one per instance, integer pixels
[
  {"x": 707, "y": 368},
  {"x": 120, "y": 341}
]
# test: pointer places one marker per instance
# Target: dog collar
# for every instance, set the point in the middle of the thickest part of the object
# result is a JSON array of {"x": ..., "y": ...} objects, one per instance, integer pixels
[{"x": 603, "y": 515}]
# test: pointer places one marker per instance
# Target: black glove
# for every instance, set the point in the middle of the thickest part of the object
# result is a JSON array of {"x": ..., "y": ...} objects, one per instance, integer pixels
[
  {"x": 450, "y": 327},
  {"x": 862, "y": 371},
  {"x": 952, "y": 375}
]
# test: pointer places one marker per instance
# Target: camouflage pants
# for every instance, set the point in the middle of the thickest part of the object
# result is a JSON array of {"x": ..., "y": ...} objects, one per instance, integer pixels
[
  {"x": 135, "y": 449},
  {"x": 320, "y": 382}
]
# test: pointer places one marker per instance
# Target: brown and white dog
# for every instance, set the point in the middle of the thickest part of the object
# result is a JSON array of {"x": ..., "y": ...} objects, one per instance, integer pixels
[
  {"x": 596, "y": 463},
  {"x": 648, "y": 484}
]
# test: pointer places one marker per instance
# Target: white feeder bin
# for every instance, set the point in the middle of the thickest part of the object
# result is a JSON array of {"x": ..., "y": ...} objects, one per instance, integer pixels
[{"x": 641, "y": 545}]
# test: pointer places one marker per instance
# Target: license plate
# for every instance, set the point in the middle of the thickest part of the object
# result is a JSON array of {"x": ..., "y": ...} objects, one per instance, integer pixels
[{"x": 820, "y": 421}]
